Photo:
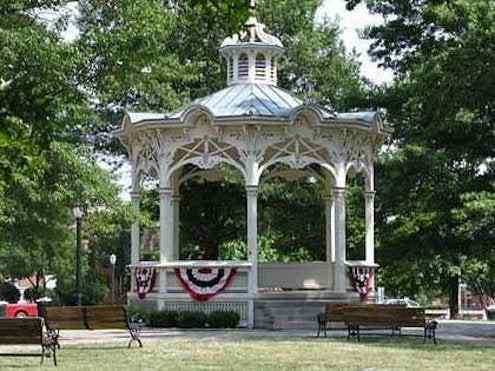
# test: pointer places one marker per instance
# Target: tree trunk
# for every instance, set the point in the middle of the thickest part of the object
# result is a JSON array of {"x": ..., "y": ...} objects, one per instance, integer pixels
[{"x": 454, "y": 296}]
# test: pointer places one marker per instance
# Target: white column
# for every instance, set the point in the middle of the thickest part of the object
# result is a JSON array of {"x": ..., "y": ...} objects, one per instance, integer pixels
[
  {"x": 166, "y": 225},
  {"x": 370, "y": 227},
  {"x": 252, "y": 236},
  {"x": 329, "y": 228},
  {"x": 176, "y": 212},
  {"x": 135, "y": 233},
  {"x": 340, "y": 240},
  {"x": 330, "y": 234}
]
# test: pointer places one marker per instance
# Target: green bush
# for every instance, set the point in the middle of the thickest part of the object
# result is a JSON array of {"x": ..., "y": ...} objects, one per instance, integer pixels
[
  {"x": 32, "y": 294},
  {"x": 137, "y": 314},
  {"x": 9, "y": 293},
  {"x": 192, "y": 320},
  {"x": 158, "y": 318},
  {"x": 227, "y": 319}
]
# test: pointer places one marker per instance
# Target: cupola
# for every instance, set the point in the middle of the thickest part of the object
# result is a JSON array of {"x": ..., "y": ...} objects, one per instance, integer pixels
[{"x": 252, "y": 55}]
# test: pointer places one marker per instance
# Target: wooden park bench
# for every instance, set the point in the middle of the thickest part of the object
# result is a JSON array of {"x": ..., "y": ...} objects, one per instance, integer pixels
[
  {"x": 26, "y": 331},
  {"x": 359, "y": 318},
  {"x": 337, "y": 313},
  {"x": 98, "y": 317}
]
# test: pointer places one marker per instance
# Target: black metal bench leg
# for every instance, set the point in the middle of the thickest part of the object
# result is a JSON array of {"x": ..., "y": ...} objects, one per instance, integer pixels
[
  {"x": 54, "y": 350},
  {"x": 134, "y": 337},
  {"x": 358, "y": 334}
]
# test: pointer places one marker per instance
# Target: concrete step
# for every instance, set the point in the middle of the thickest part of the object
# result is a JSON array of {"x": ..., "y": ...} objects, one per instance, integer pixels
[{"x": 287, "y": 314}]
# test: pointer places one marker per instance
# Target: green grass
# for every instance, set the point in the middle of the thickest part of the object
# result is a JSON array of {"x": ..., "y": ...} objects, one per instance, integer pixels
[{"x": 252, "y": 353}]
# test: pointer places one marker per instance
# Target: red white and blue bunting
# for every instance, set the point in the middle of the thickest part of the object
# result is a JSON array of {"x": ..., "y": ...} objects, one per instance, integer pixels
[
  {"x": 204, "y": 283},
  {"x": 145, "y": 281},
  {"x": 361, "y": 280}
]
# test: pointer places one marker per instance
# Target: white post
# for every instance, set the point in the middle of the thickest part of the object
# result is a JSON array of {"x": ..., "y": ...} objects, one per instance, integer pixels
[
  {"x": 329, "y": 235},
  {"x": 166, "y": 234},
  {"x": 176, "y": 212},
  {"x": 340, "y": 240},
  {"x": 370, "y": 227},
  {"x": 166, "y": 225},
  {"x": 135, "y": 233},
  {"x": 252, "y": 236}
]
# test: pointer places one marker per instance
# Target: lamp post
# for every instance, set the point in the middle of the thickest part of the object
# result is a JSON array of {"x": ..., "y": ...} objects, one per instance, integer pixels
[
  {"x": 78, "y": 216},
  {"x": 113, "y": 260}
]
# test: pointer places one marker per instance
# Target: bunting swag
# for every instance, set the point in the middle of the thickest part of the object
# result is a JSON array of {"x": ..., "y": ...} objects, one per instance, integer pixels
[
  {"x": 204, "y": 283},
  {"x": 361, "y": 280},
  {"x": 145, "y": 281}
]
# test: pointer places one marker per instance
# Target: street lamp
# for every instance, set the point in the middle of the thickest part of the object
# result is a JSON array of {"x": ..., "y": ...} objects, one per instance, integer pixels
[
  {"x": 113, "y": 260},
  {"x": 78, "y": 214}
]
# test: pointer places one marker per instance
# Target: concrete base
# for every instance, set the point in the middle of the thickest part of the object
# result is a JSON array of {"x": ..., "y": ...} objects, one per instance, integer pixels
[
  {"x": 272, "y": 309},
  {"x": 295, "y": 309}
]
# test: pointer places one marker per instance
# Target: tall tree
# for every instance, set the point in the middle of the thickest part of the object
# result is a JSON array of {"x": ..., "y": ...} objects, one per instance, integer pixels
[
  {"x": 442, "y": 104},
  {"x": 44, "y": 171}
]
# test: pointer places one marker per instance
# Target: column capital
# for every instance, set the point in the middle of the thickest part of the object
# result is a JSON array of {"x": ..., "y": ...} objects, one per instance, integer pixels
[
  {"x": 135, "y": 195},
  {"x": 370, "y": 195}
]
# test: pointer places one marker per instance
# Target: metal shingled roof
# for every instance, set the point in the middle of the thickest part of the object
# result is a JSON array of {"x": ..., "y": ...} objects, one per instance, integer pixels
[
  {"x": 248, "y": 99},
  {"x": 260, "y": 100}
]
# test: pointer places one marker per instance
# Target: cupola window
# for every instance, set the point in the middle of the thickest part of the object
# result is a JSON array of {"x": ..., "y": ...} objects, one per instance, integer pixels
[
  {"x": 260, "y": 67},
  {"x": 243, "y": 67},
  {"x": 231, "y": 68},
  {"x": 273, "y": 71}
]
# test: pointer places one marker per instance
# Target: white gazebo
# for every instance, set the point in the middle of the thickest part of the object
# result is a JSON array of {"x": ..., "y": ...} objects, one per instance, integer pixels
[{"x": 253, "y": 126}]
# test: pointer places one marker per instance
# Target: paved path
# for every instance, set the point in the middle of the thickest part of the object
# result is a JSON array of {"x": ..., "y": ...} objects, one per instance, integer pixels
[{"x": 455, "y": 331}]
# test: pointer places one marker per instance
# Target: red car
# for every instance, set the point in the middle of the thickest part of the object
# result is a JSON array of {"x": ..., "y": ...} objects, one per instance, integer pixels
[{"x": 19, "y": 310}]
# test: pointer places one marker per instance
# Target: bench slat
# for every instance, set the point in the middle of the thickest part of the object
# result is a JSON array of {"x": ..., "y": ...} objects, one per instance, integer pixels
[{"x": 16, "y": 331}]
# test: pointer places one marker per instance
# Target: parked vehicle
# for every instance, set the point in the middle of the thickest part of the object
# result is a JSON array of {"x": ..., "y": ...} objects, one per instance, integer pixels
[
  {"x": 18, "y": 310},
  {"x": 404, "y": 301}
]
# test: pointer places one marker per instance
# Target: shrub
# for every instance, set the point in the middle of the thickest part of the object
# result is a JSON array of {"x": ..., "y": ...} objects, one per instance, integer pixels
[
  {"x": 227, "y": 319},
  {"x": 192, "y": 320},
  {"x": 9, "y": 293},
  {"x": 32, "y": 294},
  {"x": 159, "y": 318},
  {"x": 137, "y": 314}
]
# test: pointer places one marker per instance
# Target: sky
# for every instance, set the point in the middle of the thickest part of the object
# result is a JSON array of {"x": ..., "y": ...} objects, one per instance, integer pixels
[{"x": 351, "y": 23}]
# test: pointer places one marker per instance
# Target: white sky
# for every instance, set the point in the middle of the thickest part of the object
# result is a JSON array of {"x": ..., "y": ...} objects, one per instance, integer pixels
[{"x": 351, "y": 23}]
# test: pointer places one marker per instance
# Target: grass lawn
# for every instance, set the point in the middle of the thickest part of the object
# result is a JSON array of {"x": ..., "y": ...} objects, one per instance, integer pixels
[{"x": 255, "y": 353}]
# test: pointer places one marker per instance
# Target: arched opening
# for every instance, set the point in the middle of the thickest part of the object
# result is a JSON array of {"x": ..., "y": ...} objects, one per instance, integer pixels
[
  {"x": 355, "y": 216},
  {"x": 209, "y": 229},
  {"x": 260, "y": 67},
  {"x": 212, "y": 230},
  {"x": 243, "y": 67},
  {"x": 292, "y": 244}
]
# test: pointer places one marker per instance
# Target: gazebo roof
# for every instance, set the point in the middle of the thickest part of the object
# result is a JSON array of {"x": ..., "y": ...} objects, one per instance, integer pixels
[
  {"x": 252, "y": 95},
  {"x": 260, "y": 102}
]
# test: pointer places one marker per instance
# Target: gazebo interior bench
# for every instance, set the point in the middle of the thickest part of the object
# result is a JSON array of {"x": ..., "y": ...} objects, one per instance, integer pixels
[
  {"x": 371, "y": 317},
  {"x": 98, "y": 317},
  {"x": 26, "y": 331}
]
